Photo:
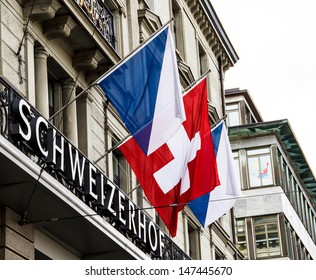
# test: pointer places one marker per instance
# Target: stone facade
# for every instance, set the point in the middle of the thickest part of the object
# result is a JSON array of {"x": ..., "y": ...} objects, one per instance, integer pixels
[{"x": 52, "y": 52}]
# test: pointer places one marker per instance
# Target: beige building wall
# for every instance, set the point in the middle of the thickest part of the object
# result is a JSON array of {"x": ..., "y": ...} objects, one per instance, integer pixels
[{"x": 16, "y": 241}]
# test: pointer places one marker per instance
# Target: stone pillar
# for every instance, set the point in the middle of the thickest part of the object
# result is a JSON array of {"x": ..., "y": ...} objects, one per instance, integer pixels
[
  {"x": 16, "y": 241},
  {"x": 70, "y": 112},
  {"x": 41, "y": 81},
  {"x": 30, "y": 78}
]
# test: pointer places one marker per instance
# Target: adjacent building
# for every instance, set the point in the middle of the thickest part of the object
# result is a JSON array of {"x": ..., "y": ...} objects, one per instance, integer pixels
[{"x": 276, "y": 216}]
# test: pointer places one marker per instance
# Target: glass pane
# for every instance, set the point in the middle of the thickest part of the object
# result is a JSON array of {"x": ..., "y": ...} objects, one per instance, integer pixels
[
  {"x": 253, "y": 169},
  {"x": 241, "y": 236},
  {"x": 233, "y": 118},
  {"x": 116, "y": 169},
  {"x": 272, "y": 227},
  {"x": 240, "y": 222},
  {"x": 265, "y": 170},
  {"x": 262, "y": 250},
  {"x": 274, "y": 248},
  {"x": 265, "y": 219}
]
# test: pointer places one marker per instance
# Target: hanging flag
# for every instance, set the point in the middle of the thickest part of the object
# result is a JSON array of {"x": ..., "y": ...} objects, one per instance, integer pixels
[
  {"x": 210, "y": 207},
  {"x": 183, "y": 168},
  {"x": 145, "y": 90}
]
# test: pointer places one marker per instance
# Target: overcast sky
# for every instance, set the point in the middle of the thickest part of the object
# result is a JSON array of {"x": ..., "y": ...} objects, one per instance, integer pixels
[{"x": 276, "y": 44}]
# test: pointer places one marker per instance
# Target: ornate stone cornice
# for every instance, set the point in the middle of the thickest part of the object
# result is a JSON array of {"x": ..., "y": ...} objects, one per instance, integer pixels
[
  {"x": 211, "y": 33},
  {"x": 58, "y": 27},
  {"x": 41, "y": 9},
  {"x": 86, "y": 60}
]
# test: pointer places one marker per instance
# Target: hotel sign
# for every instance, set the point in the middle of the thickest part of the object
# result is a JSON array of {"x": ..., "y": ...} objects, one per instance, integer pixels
[{"x": 61, "y": 156}]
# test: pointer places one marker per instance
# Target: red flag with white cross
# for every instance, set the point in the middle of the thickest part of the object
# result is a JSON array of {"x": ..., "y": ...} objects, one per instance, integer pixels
[{"x": 182, "y": 169}]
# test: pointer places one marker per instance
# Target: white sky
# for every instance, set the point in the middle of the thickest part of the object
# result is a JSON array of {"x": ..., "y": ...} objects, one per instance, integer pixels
[{"x": 276, "y": 44}]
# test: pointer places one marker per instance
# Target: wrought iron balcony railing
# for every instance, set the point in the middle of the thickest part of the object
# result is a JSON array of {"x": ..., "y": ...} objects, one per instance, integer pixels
[{"x": 101, "y": 17}]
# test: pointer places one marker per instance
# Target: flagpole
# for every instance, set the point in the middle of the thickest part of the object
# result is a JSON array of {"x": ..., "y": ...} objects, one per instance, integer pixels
[
  {"x": 112, "y": 148},
  {"x": 71, "y": 101},
  {"x": 134, "y": 51},
  {"x": 219, "y": 121}
]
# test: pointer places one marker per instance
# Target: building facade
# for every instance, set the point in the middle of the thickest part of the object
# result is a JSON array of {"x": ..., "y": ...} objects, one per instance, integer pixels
[
  {"x": 276, "y": 215},
  {"x": 65, "y": 191}
]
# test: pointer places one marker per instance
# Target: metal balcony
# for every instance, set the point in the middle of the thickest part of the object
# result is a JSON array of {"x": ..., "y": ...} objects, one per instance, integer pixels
[{"x": 101, "y": 17}]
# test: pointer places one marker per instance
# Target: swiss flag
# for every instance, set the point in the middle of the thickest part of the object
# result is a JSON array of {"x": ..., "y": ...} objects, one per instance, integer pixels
[{"x": 182, "y": 169}]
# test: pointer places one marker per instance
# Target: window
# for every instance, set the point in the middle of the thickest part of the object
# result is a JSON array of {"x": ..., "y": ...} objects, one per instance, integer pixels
[
  {"x": 203, "y": 64},
  {"x": 193, "y": 241},
  {"x": 249, "y": 117},
  {"x": 140, "y": 195},
  {"x": 177, "y": 27},
  {"x": 119, "y": 169},
  {"x": 241, "y": 237},
  {"x": 54, "y": 101},
  {"x": 259, "y": 167},
  {"x": 266, "y": 233},
  {"x": 51, "y": 98},
  {"x": 237, "y": 165},
  {"x": 233, "y": 115},
  {"x": 116, "y": 169}
]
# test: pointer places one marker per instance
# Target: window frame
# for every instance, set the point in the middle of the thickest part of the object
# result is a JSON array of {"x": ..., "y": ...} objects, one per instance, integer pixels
[
  {"x": 266, "y": 232},
  {"x": 255, "y": 153}
]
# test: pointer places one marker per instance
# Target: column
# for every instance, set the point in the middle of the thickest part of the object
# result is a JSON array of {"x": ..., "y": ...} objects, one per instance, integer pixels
[
  {"x": 41, "y": 81},
  {"x": 70, "y": 112},
  {"x": 30, "y": 78}
]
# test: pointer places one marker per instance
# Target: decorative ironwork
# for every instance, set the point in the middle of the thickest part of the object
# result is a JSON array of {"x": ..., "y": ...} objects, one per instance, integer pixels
[
  {"x": 172, "y": 252},
  {"x": 101, "y": 17}
]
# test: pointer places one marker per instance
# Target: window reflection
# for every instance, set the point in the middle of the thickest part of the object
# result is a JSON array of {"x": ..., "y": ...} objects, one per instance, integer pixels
[{"x": 259, "y": 167}]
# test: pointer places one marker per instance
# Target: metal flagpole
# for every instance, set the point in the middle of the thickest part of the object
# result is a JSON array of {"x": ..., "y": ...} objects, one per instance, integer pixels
[
  {"x": 74, "y": 99},
  {"x": 185, "y": 91},
  {"x": 112, "y": 148},
  {"x": 218, "y": 122}
]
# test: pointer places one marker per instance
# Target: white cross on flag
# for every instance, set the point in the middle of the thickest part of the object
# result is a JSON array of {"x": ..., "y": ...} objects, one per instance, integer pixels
[{"x": 182, "y": 169}]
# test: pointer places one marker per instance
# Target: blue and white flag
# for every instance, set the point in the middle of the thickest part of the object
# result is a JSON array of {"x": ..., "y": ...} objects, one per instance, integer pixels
[
  {"x": 145, "y": 90},
  {"x": 210, "y": 207}
]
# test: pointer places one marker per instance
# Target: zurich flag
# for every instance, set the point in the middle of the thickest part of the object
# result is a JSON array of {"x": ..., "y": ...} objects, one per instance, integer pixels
[{"x": 145, "y": 90}]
